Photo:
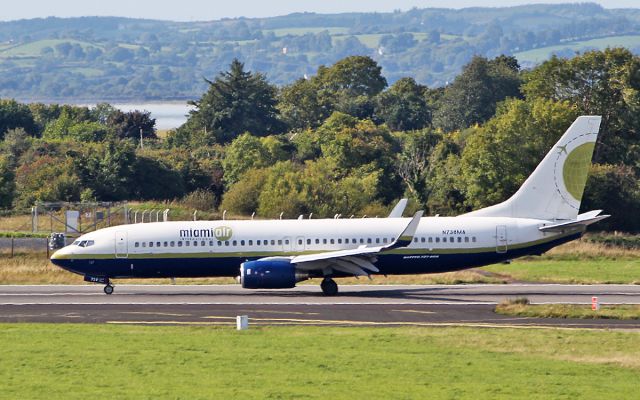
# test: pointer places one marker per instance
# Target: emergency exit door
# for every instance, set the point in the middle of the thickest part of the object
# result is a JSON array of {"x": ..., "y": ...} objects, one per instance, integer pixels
[
  {"x": 501, "y": 239},
  {"x": 122, "y": 245}
]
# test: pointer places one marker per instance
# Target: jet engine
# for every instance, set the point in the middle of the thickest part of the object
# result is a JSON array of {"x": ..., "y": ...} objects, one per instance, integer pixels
[{"x": 270, "y": 273}]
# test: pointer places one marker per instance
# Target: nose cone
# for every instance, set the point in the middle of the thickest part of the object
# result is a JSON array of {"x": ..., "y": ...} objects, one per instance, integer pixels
[{"x": 61, "y": 257}]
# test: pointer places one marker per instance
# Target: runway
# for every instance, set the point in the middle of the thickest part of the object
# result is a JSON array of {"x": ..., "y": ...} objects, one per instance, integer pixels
[{"x": 359, "y": 305}]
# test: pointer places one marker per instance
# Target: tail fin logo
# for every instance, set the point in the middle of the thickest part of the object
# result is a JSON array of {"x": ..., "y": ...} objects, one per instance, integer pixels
[{"x": 572, "y": 168}]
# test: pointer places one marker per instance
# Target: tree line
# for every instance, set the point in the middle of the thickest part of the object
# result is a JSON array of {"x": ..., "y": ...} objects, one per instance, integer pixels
[{"x": 341, "y": 142}]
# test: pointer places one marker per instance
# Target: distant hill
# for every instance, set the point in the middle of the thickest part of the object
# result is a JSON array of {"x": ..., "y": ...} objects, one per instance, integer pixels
[{"x": 109, "y": 59}]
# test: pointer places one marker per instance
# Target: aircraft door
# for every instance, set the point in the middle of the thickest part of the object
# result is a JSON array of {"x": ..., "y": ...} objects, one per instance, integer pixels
[
  {"x": 501, "y": 239},
  {"x": 122, "y": 245}
]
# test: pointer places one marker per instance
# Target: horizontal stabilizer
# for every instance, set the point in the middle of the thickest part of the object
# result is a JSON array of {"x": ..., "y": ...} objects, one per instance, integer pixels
[{"x": 583, "y": 220}]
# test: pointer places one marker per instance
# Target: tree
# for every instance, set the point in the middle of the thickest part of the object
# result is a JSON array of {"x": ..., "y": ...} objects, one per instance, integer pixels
[
  {"x": 62, "y": 182},
  {"x": 499, "y": 156},
  {"x": 15, "y": 115},
  {"x": 66, "y": 127},
  {"x": 244, "y": 153},
  {"x": 605, "y": 83},
  {"x": 7, "y": 182},
  {"x": 300, "y": 106},
  {"x": 414, "y": 162},
  {"x": 242, "y": 198},
  {"x": 237, "y": 101},
  {"x": 349, "y": 85},
  {"x": 131, "y": 124},
  {"x": 614, "y": 188},
  {"x": 106, "y": 168},
  {"x": 474, "y": 94},
  {"x": 403, "y": 106}
]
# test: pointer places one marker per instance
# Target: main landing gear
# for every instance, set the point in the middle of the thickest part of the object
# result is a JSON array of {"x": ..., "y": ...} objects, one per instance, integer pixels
[{"x": 329, "y": 287}]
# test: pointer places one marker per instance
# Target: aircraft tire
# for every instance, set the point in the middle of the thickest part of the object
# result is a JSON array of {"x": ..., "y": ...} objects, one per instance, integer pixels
[
  {"x": 108, "y": 290},
  {"x": 329, "y": 287}
]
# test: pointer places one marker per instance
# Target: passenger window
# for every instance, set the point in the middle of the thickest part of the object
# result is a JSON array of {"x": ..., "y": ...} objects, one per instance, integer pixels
[
  {"x": 423, "y": 239},
  {"x": 346, "y": 241},
  {"x": 242, "y": 243},
  {"x": 195, "y": 243},
  {"x": 317, "y": 241},
  {"x": 459, "y": 240},
  {"x": 415, "y": 240},
  {"x": 258, "y": 242},
  {"x": 150, "y": 244},
  {"x": 226, "y": 243},
  {"x": 286, "y": 242},
  {"x": 273, "y": 242},
  {"x": 157, "y": 244},
  {"x": 166, "y": 244},
  {"x": 466, "y": 239},
  {"x": 437, "y": 240},
  {"x": 430, "y": 240},
  {"x": 354, "y": 241},
  {"x": 361, "y": 241},
  {"x": 250, "y": 242},
  {"x": 144, "y": 244},
  {"x": 300, "y": 241},
  {"x": 308, "y": 241},
  {"x": 203, "y": 243},
  {"x": 332, "y": 241},
  {"x": 173, "y": 244},
  {"x": 369, "y": 240},
  {"x": 473, "y": 239},
  {"x": 137, "y": 244},
  {"x": 210, "y": 243},
  {"x": 179, "y": 243},
  {"x": 324, "y": 241},
  {"x": 384, "y": 240},
  {"x": 339, "y": 241}
]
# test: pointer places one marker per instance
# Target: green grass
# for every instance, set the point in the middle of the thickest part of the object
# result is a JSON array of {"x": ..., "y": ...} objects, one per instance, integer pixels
[
  {"x": 91, "y": 361},
  {"x": 33, "y": 49},
  {"x": 569, "y": 311},
  {"x": 544, "y": 53},
  {"x": 581, "y": 271}
]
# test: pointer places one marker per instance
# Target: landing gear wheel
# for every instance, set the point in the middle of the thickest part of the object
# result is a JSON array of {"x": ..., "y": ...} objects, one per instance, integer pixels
[
  {"x": 108, "y": 289},
  {"x": 329, "y": 287}
]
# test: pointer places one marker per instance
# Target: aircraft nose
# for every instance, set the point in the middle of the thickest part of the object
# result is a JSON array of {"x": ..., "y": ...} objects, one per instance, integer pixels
[{"x": 60, "y": 256}]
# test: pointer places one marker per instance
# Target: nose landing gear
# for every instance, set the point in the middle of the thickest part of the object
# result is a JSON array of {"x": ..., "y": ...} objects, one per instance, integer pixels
[
  {"x": 329, "y": 287},
  {"x": 108, "y": 289}
]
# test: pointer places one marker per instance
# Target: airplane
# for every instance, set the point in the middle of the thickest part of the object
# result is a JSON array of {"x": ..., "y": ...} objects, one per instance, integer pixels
[{"x": 278, "y": 254}]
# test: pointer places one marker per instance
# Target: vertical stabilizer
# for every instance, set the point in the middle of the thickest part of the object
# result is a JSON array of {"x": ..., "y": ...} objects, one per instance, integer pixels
[{"x": 554, "y": 190}]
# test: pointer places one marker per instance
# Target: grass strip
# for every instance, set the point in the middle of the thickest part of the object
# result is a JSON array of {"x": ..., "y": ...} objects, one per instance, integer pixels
[{"x": 568, "y": 311}]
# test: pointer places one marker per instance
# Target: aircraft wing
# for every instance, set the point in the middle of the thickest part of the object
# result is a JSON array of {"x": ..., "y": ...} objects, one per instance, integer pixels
[
  {"x": 356, "y": 261},
  {"x": 583, "y": 220}
]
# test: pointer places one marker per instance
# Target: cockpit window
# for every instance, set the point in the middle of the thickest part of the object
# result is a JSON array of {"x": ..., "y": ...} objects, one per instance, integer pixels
[{"x": 84, "y": 243}]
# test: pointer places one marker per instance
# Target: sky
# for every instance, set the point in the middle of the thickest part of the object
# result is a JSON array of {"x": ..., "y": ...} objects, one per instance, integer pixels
[{"x": 192, "y": 10}]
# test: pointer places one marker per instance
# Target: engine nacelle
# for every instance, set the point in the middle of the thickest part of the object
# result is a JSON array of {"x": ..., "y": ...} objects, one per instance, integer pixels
[{"x": 275, "y": 273}]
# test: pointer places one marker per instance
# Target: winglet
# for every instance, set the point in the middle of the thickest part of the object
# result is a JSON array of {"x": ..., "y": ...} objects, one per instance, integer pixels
[
  {"x": 398, "y": 209},
  {"x": 406, "y": 237}
]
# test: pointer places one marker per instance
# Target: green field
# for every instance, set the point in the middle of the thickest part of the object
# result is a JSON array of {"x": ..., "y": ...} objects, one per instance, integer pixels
[
  {"x": 583, "y": 271},
  {"x": 303, "y": 31},
  {"x": 91, "y": 361},
  {"x": 544, "y": 53},
  {"x": 33, "y": 49}
]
